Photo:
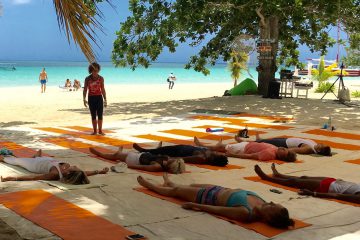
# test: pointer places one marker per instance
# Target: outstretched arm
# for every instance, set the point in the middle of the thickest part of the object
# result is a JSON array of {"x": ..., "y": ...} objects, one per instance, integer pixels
[
  {"x": 91, "y": 173},
  {"x": 48, "y": 176},
  {"x": 244, "y": 156},
  {"x": 354, "y": 198},
  {"x": 234, "y": 213},
  {"x": 302, "y": 150}
]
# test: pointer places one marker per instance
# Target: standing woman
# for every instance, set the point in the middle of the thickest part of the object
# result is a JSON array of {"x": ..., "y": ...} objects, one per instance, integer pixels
[{"x": 96, "y": 98}]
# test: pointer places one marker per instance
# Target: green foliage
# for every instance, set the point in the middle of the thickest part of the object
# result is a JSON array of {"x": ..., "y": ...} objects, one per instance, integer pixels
[
  {"x": 158, "y": 25},
  {"x": 353, "y": 50},
  {"x": 323, "y": 87},
  {"x": 237, "y": 64},
  {"x": 356, "y": 94},
  {"x": 323, "y": 74}
]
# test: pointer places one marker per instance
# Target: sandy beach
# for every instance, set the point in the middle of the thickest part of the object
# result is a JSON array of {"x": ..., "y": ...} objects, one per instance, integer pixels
[{"x": 136, "y": 110}]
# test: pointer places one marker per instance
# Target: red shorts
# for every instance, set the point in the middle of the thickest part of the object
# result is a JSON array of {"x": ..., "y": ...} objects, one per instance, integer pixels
[{"x": 325, "y": 184}]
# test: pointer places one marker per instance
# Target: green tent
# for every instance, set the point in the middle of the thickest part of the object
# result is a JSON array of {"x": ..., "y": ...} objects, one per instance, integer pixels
[{"x": 248, "y": 86}]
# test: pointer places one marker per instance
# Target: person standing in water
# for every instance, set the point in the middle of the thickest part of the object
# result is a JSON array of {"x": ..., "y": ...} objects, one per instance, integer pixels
[
  {"x": 43, "y": 78},
  {"x": 171, "y": 79},
  {"x": 94, "y": 83}
]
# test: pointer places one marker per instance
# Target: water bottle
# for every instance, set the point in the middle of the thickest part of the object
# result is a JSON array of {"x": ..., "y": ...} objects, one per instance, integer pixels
[{"x": 214, "y": 129}]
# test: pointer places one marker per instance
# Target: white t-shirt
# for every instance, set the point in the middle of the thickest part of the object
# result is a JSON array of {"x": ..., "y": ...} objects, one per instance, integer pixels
[
  {"x": 133, "y": 158},
  {"x": 296, "y": 142},
  {"x": 172, "y": 77},
  {"x": 236, "y": 148}
]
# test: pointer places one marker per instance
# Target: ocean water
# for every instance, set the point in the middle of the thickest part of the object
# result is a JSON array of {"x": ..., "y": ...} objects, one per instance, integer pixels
[{"x": 27, "y": 74}]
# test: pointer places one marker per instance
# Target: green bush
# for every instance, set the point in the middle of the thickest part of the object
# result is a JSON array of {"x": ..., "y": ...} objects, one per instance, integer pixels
[
  {"x": 356, "y": 94},
  {"x": 323, "y": 87}
]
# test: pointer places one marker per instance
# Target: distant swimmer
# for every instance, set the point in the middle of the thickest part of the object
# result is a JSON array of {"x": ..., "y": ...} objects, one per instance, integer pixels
[
  {"x": 171, "y": 80},
  {"x": 43, "y": 78}
]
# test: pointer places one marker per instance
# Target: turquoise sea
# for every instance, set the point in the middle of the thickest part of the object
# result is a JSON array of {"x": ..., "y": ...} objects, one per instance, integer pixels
[{"x": 27, "y": 73}]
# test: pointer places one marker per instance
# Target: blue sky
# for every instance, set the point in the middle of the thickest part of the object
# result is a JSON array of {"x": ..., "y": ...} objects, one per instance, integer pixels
[{"x": 29, "y": 32}]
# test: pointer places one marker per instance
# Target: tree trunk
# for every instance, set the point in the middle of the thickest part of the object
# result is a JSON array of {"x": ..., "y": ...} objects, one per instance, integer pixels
[{"x": 269, "y": 31}]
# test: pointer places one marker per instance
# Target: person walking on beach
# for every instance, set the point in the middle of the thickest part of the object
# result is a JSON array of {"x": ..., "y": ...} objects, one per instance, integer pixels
[
  {"x": 94, "y": 83},
  {"x": 43, "y": 78},
  {"x": 171, "y": 79}
]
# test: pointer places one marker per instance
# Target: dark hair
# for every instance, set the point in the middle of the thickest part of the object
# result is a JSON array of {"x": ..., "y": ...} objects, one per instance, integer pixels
[
  {"x": 218, "y": 160},
  {"x": 94, "y": 66},
  {"x": 281, "y": 219},
  {"x": 290, "y": 157},
  {"x": 326, "y": 151},
  {"x": 76, "y": 178}
]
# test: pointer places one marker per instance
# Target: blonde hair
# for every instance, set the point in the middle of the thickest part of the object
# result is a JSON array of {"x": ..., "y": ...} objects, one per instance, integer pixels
[
  {"x": 176, "y": 166},
  {"x": 75, "y": 178}
]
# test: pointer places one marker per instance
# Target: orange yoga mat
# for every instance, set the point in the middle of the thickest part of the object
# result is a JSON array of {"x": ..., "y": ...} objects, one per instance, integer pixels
[
  {"x": 241, "y": 122},
  {"x": 275, "y": 118},
  {"x": 95, "y": 138},
  {"x": 85, "y": 129},
  {"x": 157, "y": 138},
  {"x": 204, "y": 135},
  {"x": 323, "y": 132},
  {"x": 231, "y": 130},
  {"x": 337, "y": 145},
  {"x": 61, "y": 217},
  {"x": 19, "y": 150},
  {"x": 258, "y": 227},
  {"x": 258, "y": 179},
  {"x": 77, "y": 146},
  {"x": 356, "y": 161}
]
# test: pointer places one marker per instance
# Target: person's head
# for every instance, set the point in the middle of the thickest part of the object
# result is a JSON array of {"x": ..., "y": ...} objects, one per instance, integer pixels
[
  {"x": 217, "y": 159},
  {"x": 94, "y": 68},
  {"x": 67, "y": 80},
  {"x": 43, "y": 70},
  {"x": 285, "y": 155},
  {"x": 176, "y": 166},
  {"x": 323, "y": 149},
  {"x": 77, "y": 177},
  {"x": 276, "y": 215}
]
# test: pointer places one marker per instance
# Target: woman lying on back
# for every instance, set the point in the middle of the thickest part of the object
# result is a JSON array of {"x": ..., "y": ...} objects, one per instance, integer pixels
[
  {"x": 235, "y": 204},
  {"x": 49, "y": 169}
]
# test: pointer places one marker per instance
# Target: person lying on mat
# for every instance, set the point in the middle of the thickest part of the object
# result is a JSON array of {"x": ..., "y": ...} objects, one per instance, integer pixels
[
  {"x": 189, "y": 153},
  {"x": 298, "y": 145},
  {"x": 67, "y": 83},
  {"x": 236, "y": 204},
  {"x": 322, "y": 187},
  {"x": 144, "y": 161},
  {"x": 252, "y": 150},
  {"x": 50, "y": 169}
]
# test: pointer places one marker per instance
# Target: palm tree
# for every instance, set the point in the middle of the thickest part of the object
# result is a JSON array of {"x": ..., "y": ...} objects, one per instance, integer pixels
[
  {"x": 237, "y": 63},
  {"x": 78, "y": 19}
]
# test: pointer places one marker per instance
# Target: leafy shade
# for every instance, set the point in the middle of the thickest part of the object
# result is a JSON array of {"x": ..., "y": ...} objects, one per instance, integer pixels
[
  {"x": 353, "y": 50},
  {"x": 156, "y": 25},
  {"x": 78, "y": 19}
]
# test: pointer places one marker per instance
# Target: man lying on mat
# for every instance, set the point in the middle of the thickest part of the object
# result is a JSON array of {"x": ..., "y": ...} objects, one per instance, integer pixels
[
  {"x": 50, "y": 169},
  {"x": 145, "y": 161},
  {"x": 298, "y": 145},
  {"x": 235, "y": 204},
  {"x": 189, "y": 153},
  {"x": 322, "y": 187},
  {"x": 252, "y": 150}
]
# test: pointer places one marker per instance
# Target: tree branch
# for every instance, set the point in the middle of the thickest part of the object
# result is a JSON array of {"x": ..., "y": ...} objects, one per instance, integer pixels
[{"x": 262, "y": 18}]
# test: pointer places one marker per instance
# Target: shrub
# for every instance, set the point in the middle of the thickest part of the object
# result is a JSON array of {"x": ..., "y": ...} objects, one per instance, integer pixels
[
  {"x": 356, "y": 94},
  {"x": 323, "y": 87}
]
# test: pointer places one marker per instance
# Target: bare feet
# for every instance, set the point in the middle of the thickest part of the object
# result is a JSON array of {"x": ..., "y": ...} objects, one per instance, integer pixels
[
  {"x": 167, "y": 181},
  {"x": 104, "y": 171},
  {"x": 93, "y": 151},
  {"x": 275, "y": 172},
  {"x": 94, "y": 133},
  {"x": 38, "y": 153},
  {"x": 143, "y": 182},
  {"x": 257, "y": 137},
  {"x": 120, "y": 150},
  {"x": 102, "y": 133},
  {"x": 219, "y": 143},
  {"x": 160, "y": 144},
  {"x": 197, "y": 142},
  {"x": 260, "y": 172}
]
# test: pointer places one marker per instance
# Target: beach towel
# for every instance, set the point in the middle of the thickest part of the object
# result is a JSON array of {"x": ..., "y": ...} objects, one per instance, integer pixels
[
  {"x": 258, "y": 227},
  {"x": 64, "y": 219}
]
